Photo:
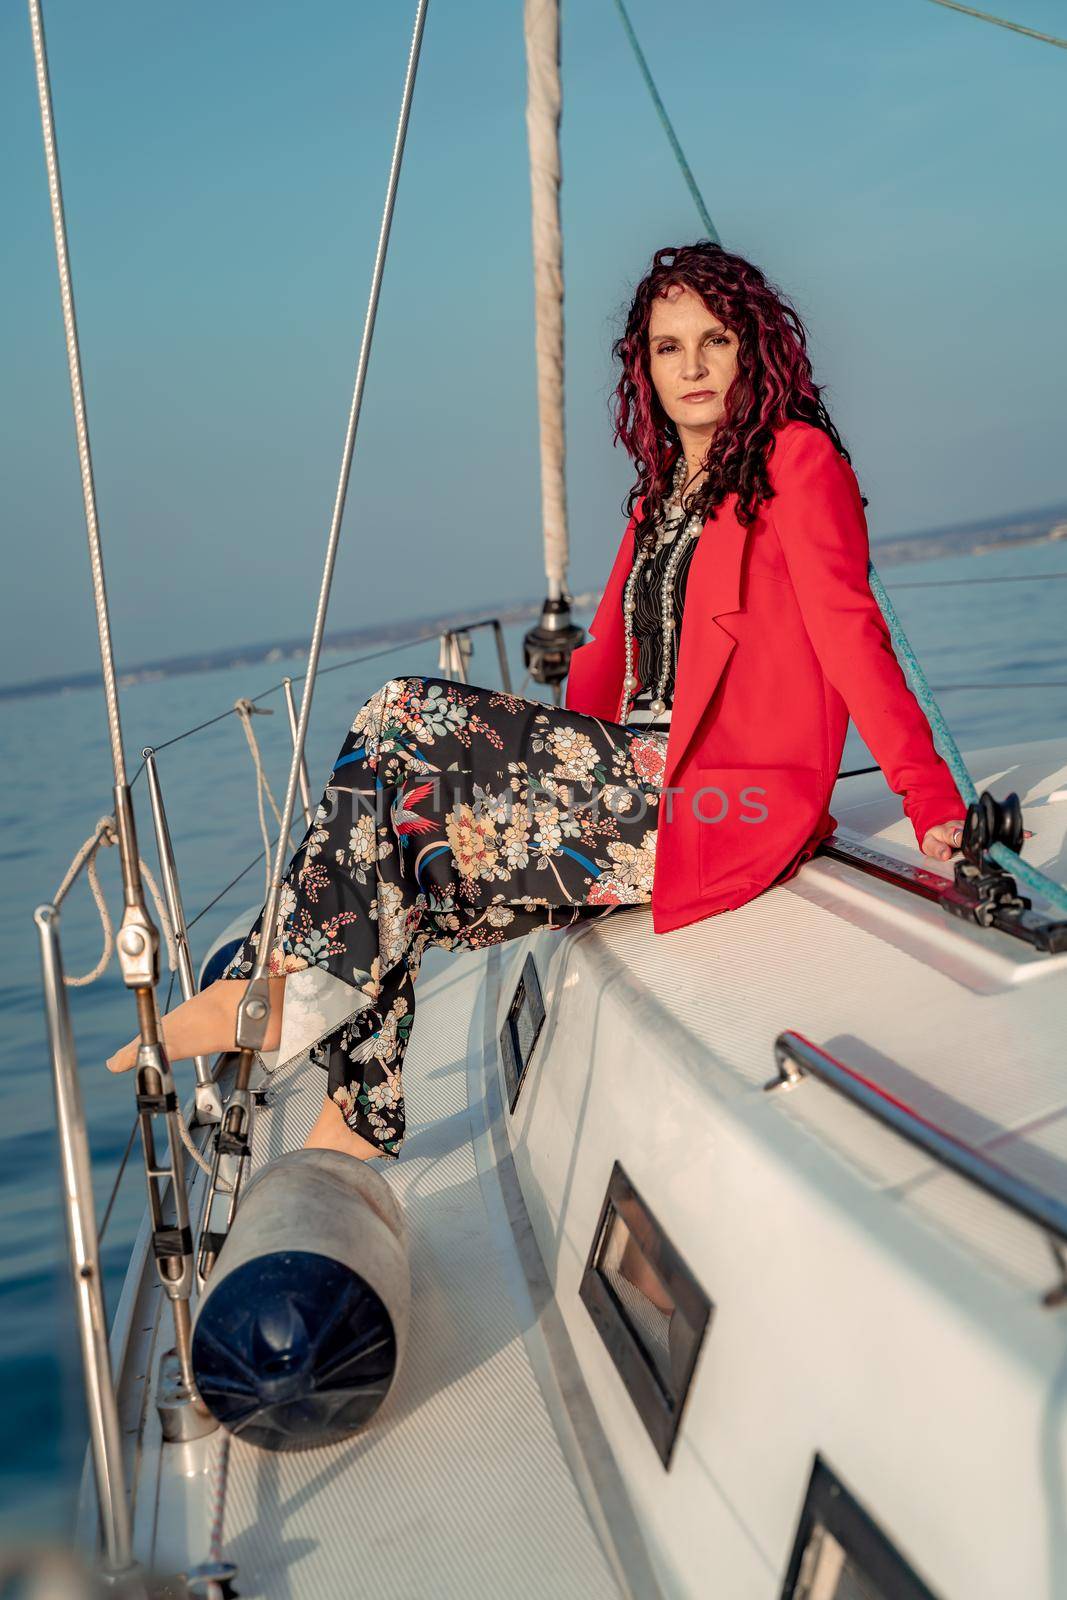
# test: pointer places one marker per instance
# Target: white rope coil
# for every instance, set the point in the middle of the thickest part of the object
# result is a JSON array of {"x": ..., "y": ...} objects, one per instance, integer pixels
[
  {"x": 246, "y": 710},
  {"x": 106, "y": 834}
]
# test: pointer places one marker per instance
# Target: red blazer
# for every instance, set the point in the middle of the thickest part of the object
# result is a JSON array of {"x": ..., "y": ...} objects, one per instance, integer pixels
[{"x": 781, "y": 641}]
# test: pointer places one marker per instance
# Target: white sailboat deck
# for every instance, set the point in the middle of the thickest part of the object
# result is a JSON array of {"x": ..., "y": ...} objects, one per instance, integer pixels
[
  {"x": 460, "y": 1483},
  {"x": 467, "y": 1479},
  {"x": 858, "y": 1287}
]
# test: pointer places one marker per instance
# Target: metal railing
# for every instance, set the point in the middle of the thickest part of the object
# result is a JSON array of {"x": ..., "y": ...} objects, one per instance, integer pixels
[
  {"x": 797, "y": 1057},
  {"x": 102, "y": 1407},
  {"x": 456, "y": 648}
]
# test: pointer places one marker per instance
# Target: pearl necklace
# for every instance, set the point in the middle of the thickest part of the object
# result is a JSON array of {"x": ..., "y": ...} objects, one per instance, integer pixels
[{"x": 684, "y": 533}]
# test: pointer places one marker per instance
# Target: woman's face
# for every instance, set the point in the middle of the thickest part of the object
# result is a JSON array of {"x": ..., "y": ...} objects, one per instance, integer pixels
[{"x": 692, "y": 361}]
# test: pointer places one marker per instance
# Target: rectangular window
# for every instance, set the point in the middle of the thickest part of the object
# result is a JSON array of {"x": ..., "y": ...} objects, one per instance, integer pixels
[
  {"x": 840, "y": 1552},
  {"x": 648, "y": 1307},
  {"x": 521, "y": 1027}
]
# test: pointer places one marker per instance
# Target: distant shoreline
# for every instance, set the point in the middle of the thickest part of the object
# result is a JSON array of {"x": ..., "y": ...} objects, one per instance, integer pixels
[{"x": 1046, "y": 526}]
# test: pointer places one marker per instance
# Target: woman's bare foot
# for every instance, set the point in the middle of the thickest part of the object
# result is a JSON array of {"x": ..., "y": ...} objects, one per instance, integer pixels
[
  {"x": 206, "y": 1024},
  {"x": 125, "y": 1058},
  {"x": 331, "y": 1132}
]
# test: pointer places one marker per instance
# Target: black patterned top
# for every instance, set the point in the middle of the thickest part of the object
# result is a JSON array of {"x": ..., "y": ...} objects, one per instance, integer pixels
[{"x": 648, "y": 625}]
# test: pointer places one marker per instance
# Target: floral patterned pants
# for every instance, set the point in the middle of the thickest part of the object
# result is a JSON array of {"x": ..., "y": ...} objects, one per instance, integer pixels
[{"x": 455, "y": 816}]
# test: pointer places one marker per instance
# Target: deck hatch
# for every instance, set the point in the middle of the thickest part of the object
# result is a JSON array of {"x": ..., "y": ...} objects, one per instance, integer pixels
[
  {"x": 521, "y": 1027},
  {"x": 648, "y": 1308},
  {"x": 841, "y": 1553}
]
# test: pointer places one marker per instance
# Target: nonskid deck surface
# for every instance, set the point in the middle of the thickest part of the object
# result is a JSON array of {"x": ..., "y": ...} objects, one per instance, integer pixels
[{"x": 459, "y": 1486}]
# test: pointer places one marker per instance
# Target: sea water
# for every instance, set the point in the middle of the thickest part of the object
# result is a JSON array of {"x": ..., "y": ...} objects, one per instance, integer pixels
[{"x": 56, "y": 762}]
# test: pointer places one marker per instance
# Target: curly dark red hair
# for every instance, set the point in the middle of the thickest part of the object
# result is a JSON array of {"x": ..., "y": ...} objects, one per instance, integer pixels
[{"x": 774, "y": 383}]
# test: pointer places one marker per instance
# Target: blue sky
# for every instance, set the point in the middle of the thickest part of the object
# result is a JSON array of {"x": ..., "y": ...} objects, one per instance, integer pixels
[{"x": 895, "y": 167}]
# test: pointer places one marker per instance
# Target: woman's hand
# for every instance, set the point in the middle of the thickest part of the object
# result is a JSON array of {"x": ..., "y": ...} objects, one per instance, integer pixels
[{"x": 944, "y": 840}]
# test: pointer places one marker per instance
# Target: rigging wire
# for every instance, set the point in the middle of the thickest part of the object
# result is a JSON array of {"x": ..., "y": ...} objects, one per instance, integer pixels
[
  {"x": 1001, "y": 22},
  {"x": 913, "y": 583},
  {"x": 77, "y": 390},
  {"x": 254, "y": 1007},
  {"x": 138, "y": 945},
  {"x": 275, "y": 872}
]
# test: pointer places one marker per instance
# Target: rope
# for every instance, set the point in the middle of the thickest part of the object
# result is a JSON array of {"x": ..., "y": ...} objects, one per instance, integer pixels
[
  {"x": 222, "y": 1478},
  {"x": 1052, "y": 891},
  {"x": 672, "y": 137},
  {"x": 105, "y": 833},
  {"x": 214, "y": 1577},
  {"x": 1000, "y": 22},
  {"x": 245, "y": 710},
  {"x": 224, "y": 1571},
  {"x": 201, "y": 1161},
  {"x": 1018, "y": 683}
]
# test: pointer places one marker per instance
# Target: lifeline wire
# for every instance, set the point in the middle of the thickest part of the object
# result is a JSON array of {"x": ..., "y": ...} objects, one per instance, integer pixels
[
  {"x": 336, "y": 666},
  {"x": 77, "y": 391}
]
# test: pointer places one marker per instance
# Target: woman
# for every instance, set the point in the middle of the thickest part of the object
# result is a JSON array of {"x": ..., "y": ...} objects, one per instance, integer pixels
[{"x": 691, "y": 766}]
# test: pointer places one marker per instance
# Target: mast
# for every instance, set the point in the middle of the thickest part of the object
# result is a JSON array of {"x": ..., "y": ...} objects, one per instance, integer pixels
[{"x": 548, "y": 647}]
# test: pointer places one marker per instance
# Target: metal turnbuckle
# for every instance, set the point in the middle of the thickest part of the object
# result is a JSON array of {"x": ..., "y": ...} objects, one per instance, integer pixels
[
  {"x": 182, "y": 1413},
  {"x": 233, "y": 1137}
]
